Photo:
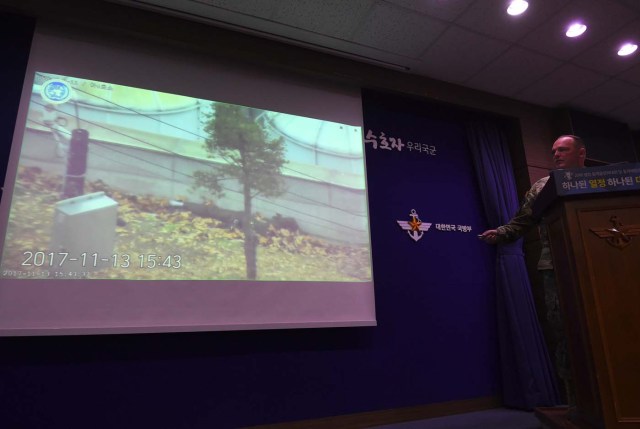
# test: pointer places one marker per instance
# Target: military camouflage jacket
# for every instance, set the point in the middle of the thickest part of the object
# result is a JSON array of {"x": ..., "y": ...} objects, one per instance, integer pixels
[{"x": 523, "y": 221}]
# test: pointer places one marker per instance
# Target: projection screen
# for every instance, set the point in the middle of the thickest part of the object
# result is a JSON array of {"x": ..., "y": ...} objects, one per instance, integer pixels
[{"x": 153, "y": 190}]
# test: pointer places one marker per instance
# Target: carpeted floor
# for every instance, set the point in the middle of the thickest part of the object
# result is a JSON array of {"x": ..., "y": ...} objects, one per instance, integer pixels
[{"x": 498, "y": 418}]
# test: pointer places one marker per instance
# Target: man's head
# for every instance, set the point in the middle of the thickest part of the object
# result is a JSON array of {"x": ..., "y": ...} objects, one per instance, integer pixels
[{"x": 568, "y": 152}]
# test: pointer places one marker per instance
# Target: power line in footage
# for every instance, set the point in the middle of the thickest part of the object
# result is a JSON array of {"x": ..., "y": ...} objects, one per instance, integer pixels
[
  {"x": 168, "y": 124},
  {"x": 192, "y": 159},
  {"x": 208, "y": 164},
  {"x": 139, "y": 161}
]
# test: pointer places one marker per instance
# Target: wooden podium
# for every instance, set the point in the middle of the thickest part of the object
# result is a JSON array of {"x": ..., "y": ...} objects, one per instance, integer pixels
[{"x": 593, "y": 218}]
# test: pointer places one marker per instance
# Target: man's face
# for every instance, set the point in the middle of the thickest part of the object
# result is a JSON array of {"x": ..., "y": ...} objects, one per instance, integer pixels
[{"x": 566, "y": 153}]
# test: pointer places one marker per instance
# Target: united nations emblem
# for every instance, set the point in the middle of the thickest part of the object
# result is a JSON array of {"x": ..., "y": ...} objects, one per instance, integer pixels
[
  {"x": 55, "y": 91},
  {"x": 414, "y": 227}
]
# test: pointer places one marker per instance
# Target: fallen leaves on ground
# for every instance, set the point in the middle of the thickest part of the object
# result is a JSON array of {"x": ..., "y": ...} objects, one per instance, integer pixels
[{"x": 147, "y": 225}]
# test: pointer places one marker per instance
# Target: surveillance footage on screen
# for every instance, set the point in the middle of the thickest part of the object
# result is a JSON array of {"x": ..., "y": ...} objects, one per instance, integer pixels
[{"x": 117, "y": 182}]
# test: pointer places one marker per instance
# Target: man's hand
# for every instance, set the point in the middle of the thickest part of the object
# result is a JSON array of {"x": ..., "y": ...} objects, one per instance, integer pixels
[{"x": 489, "y": 236}]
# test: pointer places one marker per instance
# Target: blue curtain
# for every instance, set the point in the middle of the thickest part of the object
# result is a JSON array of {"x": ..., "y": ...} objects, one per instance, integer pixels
[{"x": 528, "y": 379}]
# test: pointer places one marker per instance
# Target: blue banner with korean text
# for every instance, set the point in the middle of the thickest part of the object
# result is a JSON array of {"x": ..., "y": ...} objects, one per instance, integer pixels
[
  {"x": 431, "y": 272},
  {"x": 607, "y": 178}
]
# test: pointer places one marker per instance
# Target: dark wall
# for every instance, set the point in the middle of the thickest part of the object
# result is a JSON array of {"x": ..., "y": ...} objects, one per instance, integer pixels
[
  {"x": 15, "y": 40},
  {"x": 232, "y": 379},
  {"x": 607, "y": 141}
]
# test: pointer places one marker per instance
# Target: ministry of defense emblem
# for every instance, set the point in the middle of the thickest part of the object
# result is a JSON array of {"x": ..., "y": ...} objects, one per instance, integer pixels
[
  {"x": 620, "y": 236},
  {"x": 414, "y": 227}
]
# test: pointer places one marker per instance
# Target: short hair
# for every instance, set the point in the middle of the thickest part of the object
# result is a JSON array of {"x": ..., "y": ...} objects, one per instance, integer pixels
[{"x": 576, "y": 140}]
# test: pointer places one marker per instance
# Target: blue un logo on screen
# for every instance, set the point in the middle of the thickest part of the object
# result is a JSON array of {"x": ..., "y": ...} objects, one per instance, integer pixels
[{"x": 56, "y": 91}]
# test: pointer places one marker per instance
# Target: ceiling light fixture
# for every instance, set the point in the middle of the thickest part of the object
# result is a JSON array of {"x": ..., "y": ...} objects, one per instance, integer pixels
[
  {"x": 627, "y": 49},
  {"x": 517, "y": 7},
  {"x": 576, "y": 29}
]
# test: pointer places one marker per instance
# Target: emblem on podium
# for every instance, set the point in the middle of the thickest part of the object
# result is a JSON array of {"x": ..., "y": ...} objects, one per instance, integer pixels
[{"x": 620, "y": 235}]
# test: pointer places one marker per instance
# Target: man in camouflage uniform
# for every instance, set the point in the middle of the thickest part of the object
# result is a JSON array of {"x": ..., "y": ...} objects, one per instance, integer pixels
[{"x": 568, "y": 152}]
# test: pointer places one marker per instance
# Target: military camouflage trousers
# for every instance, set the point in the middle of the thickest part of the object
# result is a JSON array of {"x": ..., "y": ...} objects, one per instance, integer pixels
[{"x": 558, "y": 340}]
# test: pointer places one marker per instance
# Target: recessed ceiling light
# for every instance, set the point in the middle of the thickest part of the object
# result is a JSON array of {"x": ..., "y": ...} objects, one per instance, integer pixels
[
  {"x": 576, "y": 29},
  {"x": 627, "y": 49},
  {"x": 516, "y": 7}
]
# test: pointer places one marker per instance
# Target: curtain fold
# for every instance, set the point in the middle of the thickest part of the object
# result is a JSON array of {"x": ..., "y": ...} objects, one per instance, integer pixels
[{"x": 528, "y": 378}]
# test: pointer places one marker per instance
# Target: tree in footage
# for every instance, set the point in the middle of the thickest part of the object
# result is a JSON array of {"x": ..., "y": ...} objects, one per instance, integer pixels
[{"x": 250, "y": 157}]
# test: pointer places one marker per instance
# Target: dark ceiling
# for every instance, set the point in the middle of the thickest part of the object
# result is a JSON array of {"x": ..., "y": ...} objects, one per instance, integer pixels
[{"x": 472, "y": 43}]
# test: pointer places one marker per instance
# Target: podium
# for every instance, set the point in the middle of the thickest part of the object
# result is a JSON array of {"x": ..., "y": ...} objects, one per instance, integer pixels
[{"x": 593, "y": 219}]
